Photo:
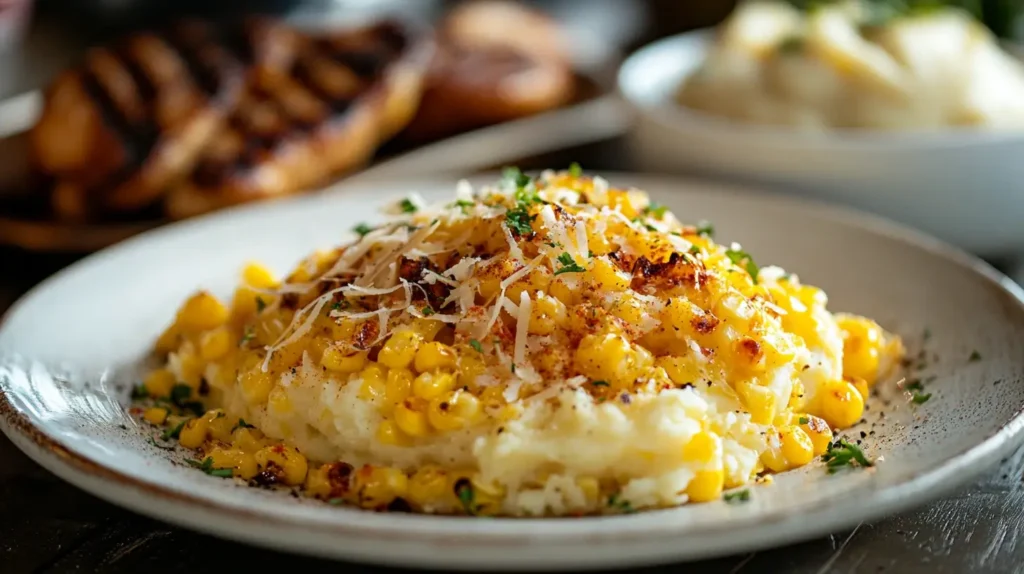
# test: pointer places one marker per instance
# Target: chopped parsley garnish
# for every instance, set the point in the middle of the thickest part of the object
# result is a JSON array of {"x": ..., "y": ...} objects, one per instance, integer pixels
[
  {"x": 180, "y": 395},
  {"x": 260, "y": 304},
  {"x": 362, "y": 229},
  {"x": 694, "y": 250},
  {"x": 515, "y": 176},
  {"x": 914, "y": 385},
  {"x": 737, "y": 497},
  {"x": 844, "y": 454},
  {"x": 705, "y": 229},
  {"x": 575, "y": 170},
  {"x": 464, "y": 490},
  {"x": 804, "y": 420},
  {"x": 476, "y": 345},
  {"x": 247, "y": 336},
  {"x": 920, "y": 398},
  {"x": 173, "y": 432},
  {"x": 139, "y": 392},
  {"x": 207, "y": 467},
  {"x": 340, "y": 305},
  {"x": 242, "y": 425},
  {"x": 153, "y": 442},
  {"x": 408, "y": 206},
  {"x": 428, "y": 311},
  {"x": 621, "y": 505},
  {"x": 975, "y": 357},
  {"x": 599, "y": 383},
  {"x": 569, "y": 265},
  {"x": 743, "y": 259},
  {"x": 336, "y": 501},
  {"x": 519, "y": 220},
  {"x": 656, "y": 209},
  {"x": 463, "y": 204}
]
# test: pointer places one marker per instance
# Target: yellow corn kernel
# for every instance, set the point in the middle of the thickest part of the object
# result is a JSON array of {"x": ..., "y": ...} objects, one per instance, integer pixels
[
  {"x": 629, "y": 309},
  {"x": 428, "y": 488},
  {"x": 318, "y": 484},
  {"x": 389, "y": 433},
  {"x": 374, "y": 384},
  {"x": 397, "y": 387},
  {"x": 169, "y": 339},
  {"x": 797, "y": 447},
  {"x": 242, "y": 464},
  {"x": 432, "y": 356},
  {"x": 215, "y": 344},
  {"x": 410, "y": 420},
  {"x": 380, "y": 486},
  {"x": 431, "y": 385},
  {"x": 471, "y": 366},
  {"x": 256, "y": 385},
  {"x": 335, "y": 359},
  {"x": 487, "y": 497},
  {"x": 202, "y": 312},
  {"x": 453, "y": 410},
  {"x": 590, "y": 487},
  {"x": 604, "y": 276},
  {"x": 681, "y": 370},
  {"x": 861, "y": 385},
  {"x": 818, "y": 431},
  {"x": 565, "y": 289},
  {"x": 772, "y": 457},
  {"x": 190, "y": 369},
  {"x": 862, "y": 344},
  {"x": 258, "y": 276},
  {"x": 400, "y": 349},
  {"x": 760, "y": 401},
  {"x": 289, "y": 463},
  {"x": 155, "y": 415},
  {"x": 278, "y": 401},
  {"x": 159, "y": 383},
  {"x": 621, "y": 200},
  {"x": 611, "y": 358},
  {"x": 840, "y": 404},
  {"x": 706, "y": 486},
  {"x": 701, "y": 448},
  {"x": 546, "y": 314},
  {"x": 193, "y": 434},
  {"x": 427, "y": 328},
  {"x": 247, "y": 439}
]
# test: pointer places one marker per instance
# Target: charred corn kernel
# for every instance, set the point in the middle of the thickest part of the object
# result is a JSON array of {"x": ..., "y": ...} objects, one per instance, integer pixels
[
  {"x": 389, "y": 433},
  {"x": 193, "y": 434},
  {"x": 318, "y": 484},
  {"x": 155, "y": 415},
  {"x": 400, "y": 350},
  {"x": 797, "y": 447},
  {"x": 605, "y": 276},
  {"x": 215, "y": 344},
  {"x": 428, "y": 488},
  {"x": 247, "y": 439},
  {"x": 256, "y": 385},
  {"x": 380, "y": 486},
  {"x": 818, "y": 431},
  {"x": 760, "y": 401},
  {"x": 701, "y": 448},
  {"x": 202, "y": 312},
  {"x": 453, "y": 410},
  {"x": 427, "y": 328},
  {"x": 610, "y": 357},
  {"x": 862, "y": 344},
  {"x": 258, "y": 276},
  {"x": 340, "y": 361},
  {"x": 431, "y": 385},
  {"x": 290, "y": 464},
  {"x": 159, "y": 383},
  {"x": 546, "y": 314},
  {"x": 397, "y": 387},
  {"x": 841, "y": 405},
  {"x": 432, "y": 356},
  {"x": 682, "y": 370},
  {"x": 411, "y": 421},
  {"x": 706, "y": 486},
  {"x": 278, "y": 402}
]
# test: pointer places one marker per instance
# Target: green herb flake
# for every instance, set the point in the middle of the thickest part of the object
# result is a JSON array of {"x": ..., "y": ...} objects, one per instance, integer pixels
[
  {"x": 427, "y": 311},
  {"x": 599, "y": 383},
  {"x": 173, "y": 432},
  {"x": 694, "y": 250},
  {"x": 656, "y": 210},
  {"x": 804, "y": 420},
  {"x": 139, "y": 392},
  {"x": 575, "y": 170},
  {"x": 260, "y": 304},
  {"x": 180, "y": 393},
  {"x": 743, "y": 259},
  {"x": 920, "y": 398},
  {"x": 340, "y": 305},
  {"x": 207, "y": 466},
  {"x": 464, "y": 490},
  {"x": 975, "y": 357},
  {"x": 242, "y": 425},
  {"x": 336, "y": 501},
  {"x": 516, "y": 177},
  {"x": 737, "y": 497},
  {"x": 476, "y": 345},
  {"x": 362, "y": 229},
  {"x": 842, "y": 454},
  {"x": 153, "y": 442},
  {"x": 247, "y": 336},
  {"x": 569, "y": 265},
  {"x": 519, "y": 220},
  {"x": 407, "y": 206},
  {"x": 621, "y": 505},
  {"x": 705, "y": 229}
]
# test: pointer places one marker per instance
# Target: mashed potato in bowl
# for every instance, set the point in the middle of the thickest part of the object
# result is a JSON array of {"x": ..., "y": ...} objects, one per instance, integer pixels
[
  {"x": 844, "y": 65},
  {"x": 548, "y": 346}
]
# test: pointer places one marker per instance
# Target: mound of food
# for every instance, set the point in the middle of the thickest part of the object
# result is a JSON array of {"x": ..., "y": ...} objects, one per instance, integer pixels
[{"x": 547, "y": 346}]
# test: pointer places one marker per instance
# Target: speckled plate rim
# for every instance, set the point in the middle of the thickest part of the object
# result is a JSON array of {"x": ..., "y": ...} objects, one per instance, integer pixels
[{"x": 441, "y": 542}]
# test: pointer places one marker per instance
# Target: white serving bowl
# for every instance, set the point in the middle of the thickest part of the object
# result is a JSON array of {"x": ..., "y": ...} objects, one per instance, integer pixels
[{"x": 962, "y": 185}]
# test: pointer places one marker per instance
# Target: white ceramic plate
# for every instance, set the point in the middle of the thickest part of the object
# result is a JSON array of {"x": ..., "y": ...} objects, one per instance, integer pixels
[
  {"x": 69, "y": 349},
  {"x": 959, "y": 184}
]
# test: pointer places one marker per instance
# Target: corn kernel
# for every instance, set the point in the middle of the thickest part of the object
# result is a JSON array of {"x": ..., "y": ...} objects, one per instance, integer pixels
[
  {"x": 242, "y": 464},
  {"x": 760, "y": 401},
  {"x": 428, "y": 488},
  {"x": 215, "y": 344},
  {"x": 400, "y": 349},
  {"x": 701, "y": 448},
  {"x": 256, "y": 385},
  {"x": 605, "y": 276},
  {"x": 453, "y": 410},
  {"x": 193, "y": 434},
  {"x": 339, "y": 361},
  {"x": 317, "y": 482},
  {"x": 288, "y": 462},
  {"x": 202, "y": 312},
  {"x": 861, "y": 385},
  {"x": 546, "y": 314},
  {"x": 706, "y": 485},
  {"x": 247, "y": 439},
  {"x": 397, "y": 387},
  {"x": 374, "y": 385},
  {"x": 410, "y": 420},
  {"x": 611, "y": 358},
  {"x": 818, "y": 431},
  {"x": 380, "y": 486},
  {"x": 796, "y": 447},
  {"x": 681, "y": 370},
  {"x": 159, "y": 383},
  {"x": 862, "y": 344},
  {"x": 278, "y": 401},
  {"x": 841, "y": 404},
  {"x": 433, "y": 356},
  {"x": 258, "y": 276},
  {"x": 590, "y": 487},
  {"x": 155, "y": 415},
  {"x": 431, "y": 385},
  {"x": 389, "y": 433}
]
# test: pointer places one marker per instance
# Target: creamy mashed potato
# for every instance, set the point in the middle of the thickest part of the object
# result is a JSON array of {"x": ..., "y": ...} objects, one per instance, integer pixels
[
  {"x": 840, "y": 66},
  {"x": 538, "y": 347}
]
